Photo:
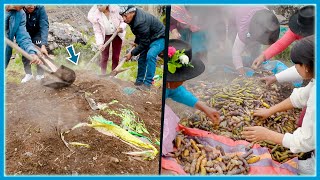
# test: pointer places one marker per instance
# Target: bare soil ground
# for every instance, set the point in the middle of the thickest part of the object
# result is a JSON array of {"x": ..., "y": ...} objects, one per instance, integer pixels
[{"x": 35, "y": 115}]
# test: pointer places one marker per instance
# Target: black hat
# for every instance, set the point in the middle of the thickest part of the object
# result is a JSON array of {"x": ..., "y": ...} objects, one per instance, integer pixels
[
  {"x": 264, "y": 27},
  {"x": 185, "y": 73},
  {"x": 302, "y": 22}
]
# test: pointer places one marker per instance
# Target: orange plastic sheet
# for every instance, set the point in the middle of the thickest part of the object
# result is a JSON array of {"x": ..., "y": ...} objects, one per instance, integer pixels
[{"x": 266, "y": 166}]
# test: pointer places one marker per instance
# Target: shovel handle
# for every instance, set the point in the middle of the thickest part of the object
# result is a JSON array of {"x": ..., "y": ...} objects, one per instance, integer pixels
[
  {"x": 105, "y": 45},
  {"x": 48, "y": 63},
  {"x": 121, "y": 62},
  {"x": 25, "y": 54}
]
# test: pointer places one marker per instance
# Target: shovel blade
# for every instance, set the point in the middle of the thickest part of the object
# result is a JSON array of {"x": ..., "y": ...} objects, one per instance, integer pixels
[
  {"x": 55, "y": 84},
  {"x": 65, "y": 74}
]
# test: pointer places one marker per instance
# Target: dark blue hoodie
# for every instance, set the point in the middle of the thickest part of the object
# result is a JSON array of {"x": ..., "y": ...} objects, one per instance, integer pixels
[{"x": 37, "y": 24}]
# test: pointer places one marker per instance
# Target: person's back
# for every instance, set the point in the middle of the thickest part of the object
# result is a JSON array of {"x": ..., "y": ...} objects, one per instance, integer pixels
[
  {"x": 242, "y": 16},
  {"x": 150, "y": 23},
  {"x": 149, "y": 36}
]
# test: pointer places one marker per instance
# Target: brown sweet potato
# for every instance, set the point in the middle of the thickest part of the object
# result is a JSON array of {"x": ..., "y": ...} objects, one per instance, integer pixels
[
  {"x": 218, "y": 168},
  {"x": 178, "y": 141},
  {"x": 199, "y": 163},
  {"x": 193, "y": 166},
  {"x": 203, "y": 170},
  {"x": 202, "y": 166},
  {"x": 186, "y": 153},
  {"x": 211, "y": 170},
  {"x": 187, "y": 168},
  {"x": 209, "y": 164},
  {"x": 223, "y": 166},
  {"x": 234, "y": 171},
  {"x": 194, "y": 145},
  {"x": 246, "y": 165},
  {"x": 221, "y": 150},
  {"x": 247, "y": 154}
]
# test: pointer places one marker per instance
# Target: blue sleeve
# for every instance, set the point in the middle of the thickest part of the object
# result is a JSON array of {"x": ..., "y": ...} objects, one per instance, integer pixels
[
  {"x": 183, "y": 96},
  {"x": 22, "y": 36},
  {"x": 44, "y": 25}
]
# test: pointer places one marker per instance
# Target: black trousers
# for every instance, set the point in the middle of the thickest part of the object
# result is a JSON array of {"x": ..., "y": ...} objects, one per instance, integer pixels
[{"x": 26, "y": 63}]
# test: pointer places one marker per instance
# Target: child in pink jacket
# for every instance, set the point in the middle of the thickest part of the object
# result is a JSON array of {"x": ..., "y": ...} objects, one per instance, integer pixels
[{"x": 105, "y": 21}]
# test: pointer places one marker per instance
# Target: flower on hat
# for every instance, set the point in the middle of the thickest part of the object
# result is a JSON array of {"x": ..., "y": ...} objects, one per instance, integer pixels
[
  {"x": 177, "y": 59},
  {"x": 171, "y": 51},
  {"x": 184, "y": 59}
]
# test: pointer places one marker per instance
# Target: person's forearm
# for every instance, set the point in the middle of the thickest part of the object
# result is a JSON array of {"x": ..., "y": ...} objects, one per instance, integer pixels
[
  {"x": 289, "y": 75},
  {"x": 276, "y": 48},
  {"x": 201, "y": 106},
  {"x": 275, "y": 137},
  {"x": 283, "y": 106}
]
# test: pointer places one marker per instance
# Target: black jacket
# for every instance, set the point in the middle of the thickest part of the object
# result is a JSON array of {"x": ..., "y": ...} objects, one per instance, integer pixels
[
  {"x": 147, "y": 28},
  {"x": 37, "y": 24}
]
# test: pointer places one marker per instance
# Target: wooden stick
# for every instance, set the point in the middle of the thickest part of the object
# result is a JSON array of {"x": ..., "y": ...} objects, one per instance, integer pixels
[{"x": 105, "y": 45}]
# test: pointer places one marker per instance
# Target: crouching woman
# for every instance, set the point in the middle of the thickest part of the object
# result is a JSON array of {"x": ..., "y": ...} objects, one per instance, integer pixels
[{"x": 303, "y": 138}]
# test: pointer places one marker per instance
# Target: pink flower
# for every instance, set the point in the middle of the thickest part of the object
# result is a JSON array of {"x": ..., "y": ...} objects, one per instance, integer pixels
[{"x": 171, "y": 51}]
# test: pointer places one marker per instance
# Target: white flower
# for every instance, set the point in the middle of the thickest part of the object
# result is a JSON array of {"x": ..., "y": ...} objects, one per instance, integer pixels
[{"x": 184, "y": 59}]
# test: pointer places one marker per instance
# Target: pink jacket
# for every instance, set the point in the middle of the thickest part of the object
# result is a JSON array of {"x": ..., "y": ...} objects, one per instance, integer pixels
[
  {"x": 281, "y": 44},
  {"x": 95, "y": 17}
]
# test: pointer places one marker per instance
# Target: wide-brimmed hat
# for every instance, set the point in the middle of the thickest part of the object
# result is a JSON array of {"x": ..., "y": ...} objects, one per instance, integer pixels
[
  {"x": 264, "y": 27},
  {"x": 302, "y": 22},
  {"x": 185, "y": 73}
]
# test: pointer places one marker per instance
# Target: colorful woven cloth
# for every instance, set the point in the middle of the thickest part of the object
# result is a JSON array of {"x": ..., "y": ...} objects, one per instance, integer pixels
[{"x": 266, "y": 166}]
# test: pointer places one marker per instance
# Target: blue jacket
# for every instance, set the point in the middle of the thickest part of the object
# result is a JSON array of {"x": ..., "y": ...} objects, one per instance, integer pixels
[
  {"x": 181, "y": 95},
  {"x": 15, "y": 26},
  {"x": 37, "y": 24}
]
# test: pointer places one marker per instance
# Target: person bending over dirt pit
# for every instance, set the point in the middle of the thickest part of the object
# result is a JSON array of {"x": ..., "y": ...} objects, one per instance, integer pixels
[
  {"x": 303, "y": 138},
  {"x": 15, "y": 27},
  {"x": 37, "y": 26},
  {"x": 150, "y": 33},
  {"x": 255, "y": 25}
]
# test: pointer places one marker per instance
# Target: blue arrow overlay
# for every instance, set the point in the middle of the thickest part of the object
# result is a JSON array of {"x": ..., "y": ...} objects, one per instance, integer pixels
[{"x": 73, "y": 57}]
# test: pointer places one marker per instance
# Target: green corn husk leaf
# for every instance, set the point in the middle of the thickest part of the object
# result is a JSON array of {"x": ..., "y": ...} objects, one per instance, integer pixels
[
  {"x": 157, "y": 142},
  {"x": 113, "y": 102},
  {"x": 110, "y": 129},
  {"x": 130, "y": 120},
  {"x": 116, "y": 131}
]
